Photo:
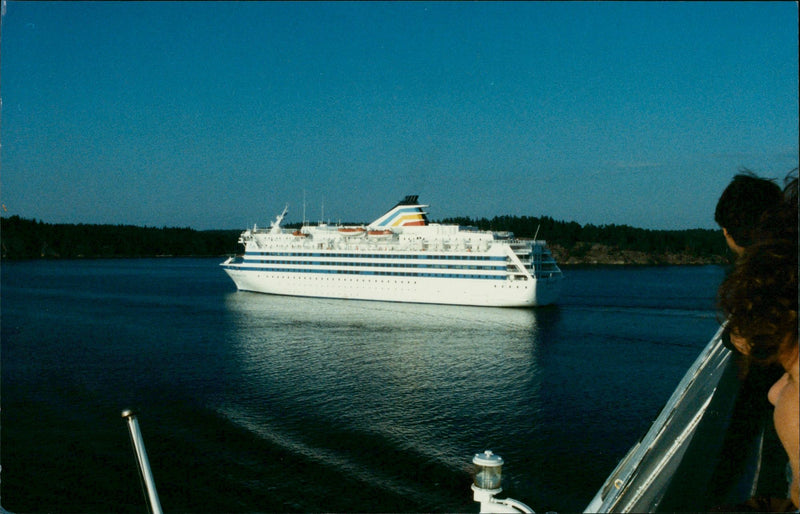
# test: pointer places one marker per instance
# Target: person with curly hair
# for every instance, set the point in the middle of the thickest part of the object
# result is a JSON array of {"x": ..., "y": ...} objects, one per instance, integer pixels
[{"x": 759, "y": 299}]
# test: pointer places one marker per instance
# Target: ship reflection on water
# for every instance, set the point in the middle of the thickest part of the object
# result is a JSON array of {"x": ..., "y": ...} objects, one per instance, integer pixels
[{"x": 326, "y": 379}]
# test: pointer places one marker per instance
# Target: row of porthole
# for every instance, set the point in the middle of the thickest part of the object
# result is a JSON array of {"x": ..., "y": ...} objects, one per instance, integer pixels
[
  {"x": 376, "y": 265},
  {"x": 340, "y": 279},
  {"x": 378, "y": 256},
  {"x": 371, "y": 273}
]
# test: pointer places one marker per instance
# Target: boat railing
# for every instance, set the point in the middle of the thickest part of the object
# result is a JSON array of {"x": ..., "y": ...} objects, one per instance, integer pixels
[
  {"x": 713, "y": 444},
  {"x": 145, "y": 474}
]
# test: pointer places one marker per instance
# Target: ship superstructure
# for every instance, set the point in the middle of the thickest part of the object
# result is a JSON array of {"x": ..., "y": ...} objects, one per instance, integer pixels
[{"x": 399, "y": 257}]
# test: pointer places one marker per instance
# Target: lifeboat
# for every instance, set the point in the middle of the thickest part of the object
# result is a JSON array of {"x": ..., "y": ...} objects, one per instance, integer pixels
[
  {"x": 351, "y": 231},
  {"x": 380, "y": 234}
]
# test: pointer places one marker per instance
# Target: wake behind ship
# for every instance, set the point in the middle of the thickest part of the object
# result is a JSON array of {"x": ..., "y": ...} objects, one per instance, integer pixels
[{"x": 399, "y": 257}]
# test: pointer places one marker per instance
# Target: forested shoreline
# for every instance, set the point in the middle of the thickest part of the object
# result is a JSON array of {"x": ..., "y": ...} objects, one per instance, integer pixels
[
  {"x": 22, "y": 238},
  {"x": 571, "y": 242}
]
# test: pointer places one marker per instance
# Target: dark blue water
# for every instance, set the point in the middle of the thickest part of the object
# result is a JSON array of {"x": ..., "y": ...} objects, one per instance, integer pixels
[{"x": 254, "y": 403}]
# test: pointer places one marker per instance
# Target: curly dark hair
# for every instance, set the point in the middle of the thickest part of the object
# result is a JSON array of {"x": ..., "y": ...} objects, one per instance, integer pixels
[
  {"x": 759, "y": 299},
  {"x": 780, "y": 221}
]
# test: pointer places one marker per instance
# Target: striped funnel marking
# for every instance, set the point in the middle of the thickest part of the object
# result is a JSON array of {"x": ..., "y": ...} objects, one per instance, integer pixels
[{"x": 407, "y": 213}]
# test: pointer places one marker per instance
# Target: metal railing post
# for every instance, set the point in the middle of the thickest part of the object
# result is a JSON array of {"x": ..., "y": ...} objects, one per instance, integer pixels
[{"x": 144, "y": 464}]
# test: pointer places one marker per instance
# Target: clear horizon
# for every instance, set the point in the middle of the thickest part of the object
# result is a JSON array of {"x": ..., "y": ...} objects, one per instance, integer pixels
[{"x": 214, "y": 115}]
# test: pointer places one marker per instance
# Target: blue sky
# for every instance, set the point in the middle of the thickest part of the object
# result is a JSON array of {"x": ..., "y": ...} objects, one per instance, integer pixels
[{"x": 215, "y": 115}]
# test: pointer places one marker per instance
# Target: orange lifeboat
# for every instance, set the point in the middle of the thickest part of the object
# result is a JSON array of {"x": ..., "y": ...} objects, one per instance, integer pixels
[
  {"x": 380, "y": 234},
  {"x": 351, "y": 231}
]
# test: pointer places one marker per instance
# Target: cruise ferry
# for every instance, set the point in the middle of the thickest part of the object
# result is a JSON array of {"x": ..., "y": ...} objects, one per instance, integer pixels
[{"x": 399, "y": 257}]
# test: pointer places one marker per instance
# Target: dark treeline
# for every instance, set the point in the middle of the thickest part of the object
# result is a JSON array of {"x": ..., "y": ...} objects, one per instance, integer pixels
[
  {"x": 572, "y": 236},
  {"x": 28, "y": 239}
]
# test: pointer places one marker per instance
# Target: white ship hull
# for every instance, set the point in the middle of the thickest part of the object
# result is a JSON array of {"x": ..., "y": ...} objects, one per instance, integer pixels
[
  {"x": 448, "y": 291},
  {"x": 397, "y": 258}
]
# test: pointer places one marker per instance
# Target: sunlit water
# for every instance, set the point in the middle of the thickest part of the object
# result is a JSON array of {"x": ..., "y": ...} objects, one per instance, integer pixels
[{"x": 252, "y": 402}]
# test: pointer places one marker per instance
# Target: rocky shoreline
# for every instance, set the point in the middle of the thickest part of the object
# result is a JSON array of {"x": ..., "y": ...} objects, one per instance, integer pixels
[{"x": 588, "y": 254}]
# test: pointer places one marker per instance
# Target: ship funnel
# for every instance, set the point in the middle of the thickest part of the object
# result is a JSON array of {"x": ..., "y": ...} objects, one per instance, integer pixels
[{"x": 407, "y": 213}]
